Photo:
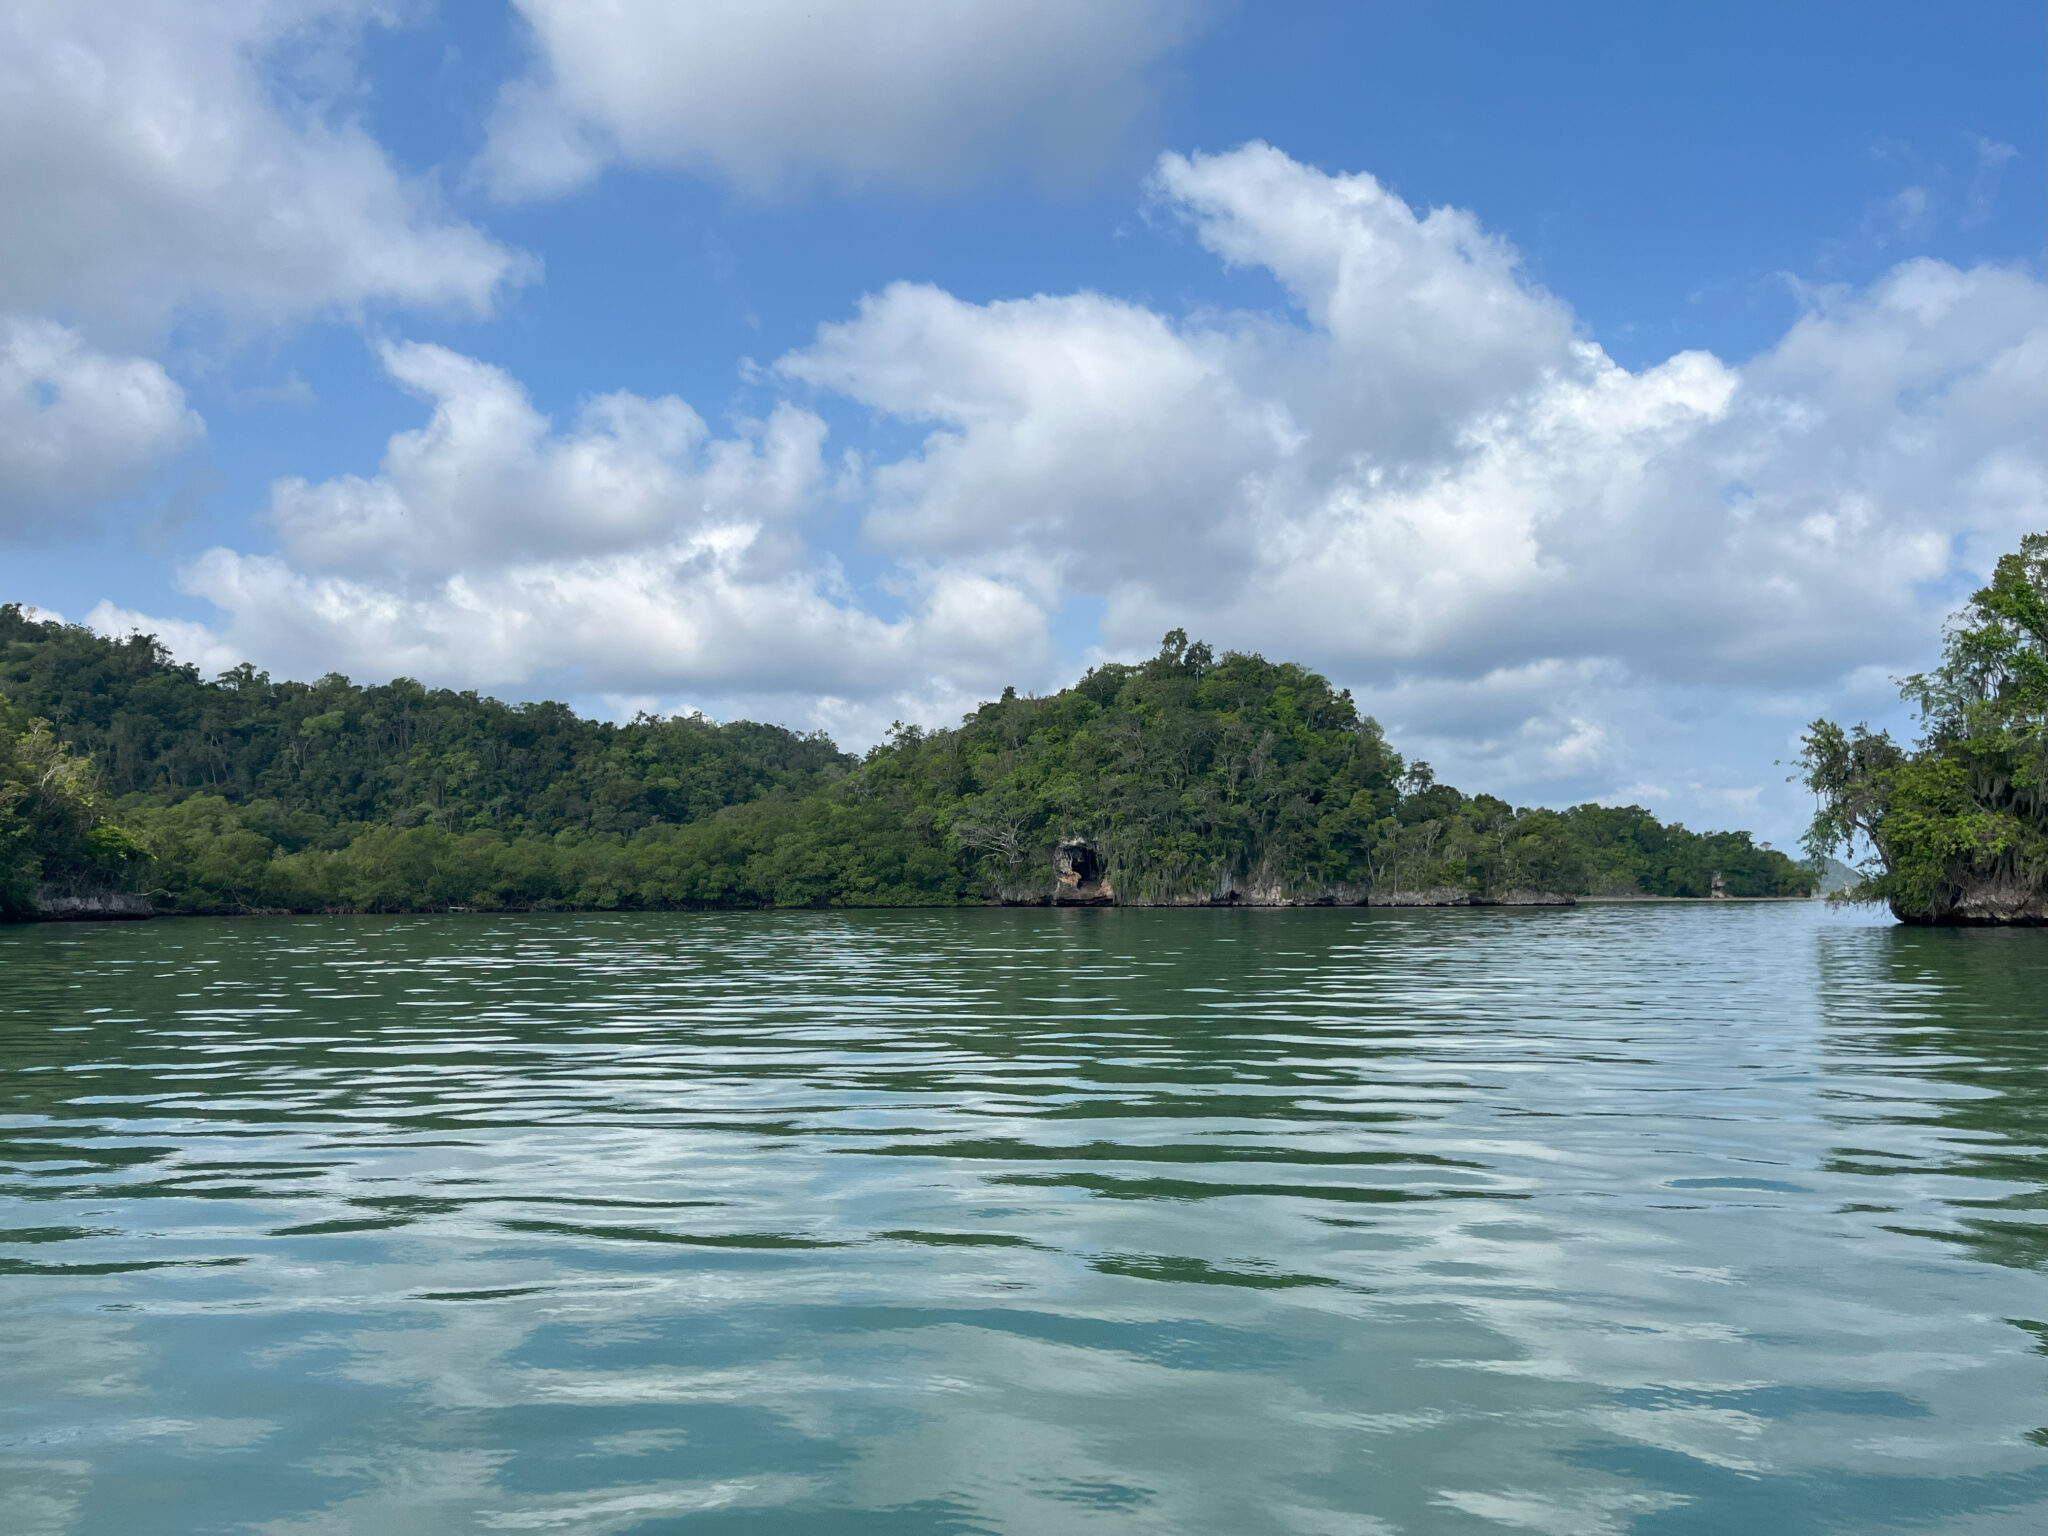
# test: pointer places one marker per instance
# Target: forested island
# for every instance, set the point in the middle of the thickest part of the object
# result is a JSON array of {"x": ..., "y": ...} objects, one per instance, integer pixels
[
  {"x": 1956, "y": 829},
  {"x": 129, "y": 782}
]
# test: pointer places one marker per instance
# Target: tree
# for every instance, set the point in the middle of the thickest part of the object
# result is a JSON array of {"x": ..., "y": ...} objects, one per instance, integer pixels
[
  {"x": 54, "y": 831},
  {"x": 1956, "y": 829}
]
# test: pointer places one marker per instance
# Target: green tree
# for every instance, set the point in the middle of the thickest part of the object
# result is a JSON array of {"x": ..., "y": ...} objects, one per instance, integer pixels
[
  {"x": 55, "y": 835},
  {"x": 1956, "y": 828}
]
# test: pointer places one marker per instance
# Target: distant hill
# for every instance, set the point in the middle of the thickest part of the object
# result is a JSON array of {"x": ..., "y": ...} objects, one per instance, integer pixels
[
  {"x": 1188, "y": 779},
  {"x": 1837, "y": 877}
]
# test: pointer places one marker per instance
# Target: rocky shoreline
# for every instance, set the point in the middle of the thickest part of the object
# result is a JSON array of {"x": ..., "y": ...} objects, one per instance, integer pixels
[
  {"x": 1982, "y": 904},
  {"x": 113, "y": 906},
  {"x": 1081, "y": 878},
  {"x": 1990, "y": 905},
  {"x": 1257, "y": 897}
]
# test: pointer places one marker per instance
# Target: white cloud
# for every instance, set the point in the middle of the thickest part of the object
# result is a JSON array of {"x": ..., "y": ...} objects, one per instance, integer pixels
[
  {"x": 634, "y": 552},
  {"x": 487, "y": 481},
  {"x": 767, "y": 93},
  {"x": 1429, "y": 312},
  {"x": 1592, "y": 729},
  {"x": 694, "y": 613},
  {"x": 1140, "y": 433},
  {"x": 156, "y": 156},
  {"x": 193, "y": 644},
  {"x": 77, "y": 426},
  {"x": 1430, "y": 472},
  {"x": 1552, "y": 575}
]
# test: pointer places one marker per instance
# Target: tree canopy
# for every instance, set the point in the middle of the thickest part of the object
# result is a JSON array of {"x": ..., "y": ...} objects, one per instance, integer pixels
[
  {"x": 55, "y": 834},
  {"x": 1954, "y": 829}
]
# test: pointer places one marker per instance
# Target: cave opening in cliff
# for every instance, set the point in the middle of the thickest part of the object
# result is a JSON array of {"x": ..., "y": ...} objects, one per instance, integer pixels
[{"x": 1079, "y": 866}]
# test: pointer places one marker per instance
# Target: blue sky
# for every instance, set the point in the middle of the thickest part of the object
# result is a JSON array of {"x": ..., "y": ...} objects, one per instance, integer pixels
[{"x": 1600, "y": 392}]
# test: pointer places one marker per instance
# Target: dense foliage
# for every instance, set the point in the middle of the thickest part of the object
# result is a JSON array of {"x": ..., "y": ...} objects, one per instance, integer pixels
[
  {"x": 1191, "y": 776},
  {"x": 1195, "y": 776},
  {"x": 1957, "y": 827},
  {"x": 398, "y": 755},
  {"x": 55, "y": 836}
]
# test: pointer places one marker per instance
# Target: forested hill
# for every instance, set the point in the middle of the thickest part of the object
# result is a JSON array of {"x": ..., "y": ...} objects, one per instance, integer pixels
[
  {"x": 1187, "y": 778},
  {"x": 397, "y": 753},
  {"x": 1191, "y": 778}
]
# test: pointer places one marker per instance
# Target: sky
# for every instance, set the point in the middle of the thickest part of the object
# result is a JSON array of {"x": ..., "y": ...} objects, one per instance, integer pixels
[{"x": 1599, "y": 392}]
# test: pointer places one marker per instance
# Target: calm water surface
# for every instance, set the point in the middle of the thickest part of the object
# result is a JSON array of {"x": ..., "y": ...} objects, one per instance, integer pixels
[{"x": 1649, "y": 1220}]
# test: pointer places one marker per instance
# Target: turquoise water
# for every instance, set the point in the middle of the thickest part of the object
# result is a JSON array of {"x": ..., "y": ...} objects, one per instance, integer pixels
[{"x": 1647, "y": 1219}]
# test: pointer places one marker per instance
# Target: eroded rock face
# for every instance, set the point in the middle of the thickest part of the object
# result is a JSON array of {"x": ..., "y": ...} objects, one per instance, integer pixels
[
  {"x": 1451, "y": 896},
  {"x": 1081, "y": 878},
  {"x": 1444, "y": 896},
  {"x": 1081, "y": 875},
  {"x": 116, "y": 904},
  {"x": 1985, "y": 903}
]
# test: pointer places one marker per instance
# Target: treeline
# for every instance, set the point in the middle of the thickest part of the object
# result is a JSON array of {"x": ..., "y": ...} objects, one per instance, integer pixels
[
  {"x": 1954, "y": 829},
  {"x": 394, "y": 755},
  {"x": 1190, "y": 777}
]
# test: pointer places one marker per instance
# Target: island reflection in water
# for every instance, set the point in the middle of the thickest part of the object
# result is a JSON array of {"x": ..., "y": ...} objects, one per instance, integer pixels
[{"x": 1642, "y": 1219}]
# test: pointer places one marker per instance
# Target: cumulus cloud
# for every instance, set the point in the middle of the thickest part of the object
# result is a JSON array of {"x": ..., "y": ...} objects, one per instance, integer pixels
[
  {"x": 770, "y": 92},
  {"x": 1431, "y": 314},
  {"x": 1595, "y": 729},
  {"x": 488, "y": 482},
  {"x": 1141, "y": 431},
  {"x": 634, "y": 551},
  {"x": 1427, "y": 469},
  {"x": 1559, "y": 576},
  {"x": 159, "y": 156},
  {"x": 77, "y": 426},
  {"x": 193, "y": 644},
  {"x": 694, "y": 618}
]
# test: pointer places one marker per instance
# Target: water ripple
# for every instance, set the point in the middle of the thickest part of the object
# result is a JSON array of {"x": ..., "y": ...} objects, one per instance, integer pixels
[{"x": 1650, "y": 1219}]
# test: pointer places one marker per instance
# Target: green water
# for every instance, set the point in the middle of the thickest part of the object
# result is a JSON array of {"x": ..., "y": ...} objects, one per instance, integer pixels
[{"x": 1652, "y": 1219}]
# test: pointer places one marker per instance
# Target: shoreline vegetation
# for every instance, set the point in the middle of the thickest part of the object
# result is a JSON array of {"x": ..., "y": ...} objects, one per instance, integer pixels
[
  {"x": 129, "y": 785},
  {"x": 1955, "y": 829}
]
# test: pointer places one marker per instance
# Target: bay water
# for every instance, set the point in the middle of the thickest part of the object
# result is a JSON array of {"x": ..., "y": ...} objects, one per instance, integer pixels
[{"x": 1648, "y": 1218}]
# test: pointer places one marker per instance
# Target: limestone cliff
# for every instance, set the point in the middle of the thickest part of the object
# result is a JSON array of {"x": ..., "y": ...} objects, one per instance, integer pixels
[
  {"x": 1082, "y": 875},
  {"x": 1974, "y": 902},
  {"x": 95, "y": 905}
]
